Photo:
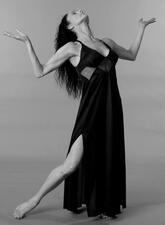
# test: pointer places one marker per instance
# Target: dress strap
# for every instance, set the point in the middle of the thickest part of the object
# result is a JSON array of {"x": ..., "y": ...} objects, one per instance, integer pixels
[
  {"x": 79, "y": 41},
  {"x": 105, "y": 44}
]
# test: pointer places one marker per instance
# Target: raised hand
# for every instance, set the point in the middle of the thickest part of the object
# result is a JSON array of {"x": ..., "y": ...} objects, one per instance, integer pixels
[
  {"x": 145, "y": 23},
  {"x": 20, "y": 36}
]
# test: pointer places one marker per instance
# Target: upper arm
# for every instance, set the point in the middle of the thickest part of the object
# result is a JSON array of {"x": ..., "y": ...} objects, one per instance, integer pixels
[
  {"x": 59, "y": 57},
  {"x": 119, "y": 50}
]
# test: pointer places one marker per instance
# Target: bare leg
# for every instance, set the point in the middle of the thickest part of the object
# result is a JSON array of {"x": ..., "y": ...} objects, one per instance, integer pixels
[{"x": 56, "y": 176}]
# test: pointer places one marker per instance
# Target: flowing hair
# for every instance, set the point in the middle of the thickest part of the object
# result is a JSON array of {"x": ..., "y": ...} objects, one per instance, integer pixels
[{"x": 66, "y": 73}]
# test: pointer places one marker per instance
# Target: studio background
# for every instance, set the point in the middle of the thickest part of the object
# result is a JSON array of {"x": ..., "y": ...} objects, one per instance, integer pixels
[{"x": 37, "y": 116}]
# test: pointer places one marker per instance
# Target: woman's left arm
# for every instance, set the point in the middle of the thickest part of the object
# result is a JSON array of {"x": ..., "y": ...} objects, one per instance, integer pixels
[{"x": 131, "y": 53}]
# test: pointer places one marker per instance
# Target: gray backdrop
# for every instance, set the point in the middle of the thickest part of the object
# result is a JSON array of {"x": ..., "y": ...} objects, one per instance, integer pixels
[{"x": 36, "y": 115}]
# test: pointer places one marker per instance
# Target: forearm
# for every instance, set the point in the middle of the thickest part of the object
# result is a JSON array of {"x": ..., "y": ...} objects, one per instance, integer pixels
[
  {"x": 37, "y": 66},
  {"x": 137, "y": 42}
]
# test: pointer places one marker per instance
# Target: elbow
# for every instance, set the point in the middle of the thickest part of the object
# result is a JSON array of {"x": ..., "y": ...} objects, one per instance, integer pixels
[
  {"x": 39, "y": 75},
  {"x": 133, "y": 58},
  {"x": 39, "y": 72},
  {"x": 131, "y": 55}
]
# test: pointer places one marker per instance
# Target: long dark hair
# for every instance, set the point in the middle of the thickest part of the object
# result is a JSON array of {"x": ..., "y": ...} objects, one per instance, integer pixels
[{"x": 66, "y": 73}]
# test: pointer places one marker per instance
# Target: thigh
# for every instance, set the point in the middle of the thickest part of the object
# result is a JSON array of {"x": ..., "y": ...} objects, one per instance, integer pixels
[{"x": 76, "y": 152}]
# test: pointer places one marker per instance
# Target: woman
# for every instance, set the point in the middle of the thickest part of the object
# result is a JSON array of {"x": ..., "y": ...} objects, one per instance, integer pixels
[{"x": 94, "y": 170}]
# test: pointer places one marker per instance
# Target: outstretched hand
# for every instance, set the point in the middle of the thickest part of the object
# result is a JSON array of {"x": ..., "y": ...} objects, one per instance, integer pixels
[
  {"x": 20, "y": 36},
  {"x": 145, "y": 23}
]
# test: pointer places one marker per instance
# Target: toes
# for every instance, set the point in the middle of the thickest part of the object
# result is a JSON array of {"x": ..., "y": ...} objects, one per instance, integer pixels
[
  {"x": 17, "y": 216},
  {"x": 24, "y": 208},
  {"x": 17, "y": 213}
]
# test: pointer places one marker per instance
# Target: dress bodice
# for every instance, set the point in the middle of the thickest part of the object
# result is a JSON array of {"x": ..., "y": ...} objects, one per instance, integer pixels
[{"x": 91, "y": 58}]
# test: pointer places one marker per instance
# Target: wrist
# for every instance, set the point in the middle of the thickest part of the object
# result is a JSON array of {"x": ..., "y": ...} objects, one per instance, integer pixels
[
  {"x": 142, "y": 27},
  {"x": 27, "y": 41}
]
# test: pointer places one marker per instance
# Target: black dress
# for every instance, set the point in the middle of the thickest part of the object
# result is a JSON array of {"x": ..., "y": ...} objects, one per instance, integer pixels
[{"x": 100, "y": 179}]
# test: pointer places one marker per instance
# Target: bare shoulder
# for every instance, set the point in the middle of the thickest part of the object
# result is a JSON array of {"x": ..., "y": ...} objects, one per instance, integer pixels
[
  {"x": 74, "y": 47},
  {"x": 69, "y": 48},
  {"x": 71, "y": 45}
]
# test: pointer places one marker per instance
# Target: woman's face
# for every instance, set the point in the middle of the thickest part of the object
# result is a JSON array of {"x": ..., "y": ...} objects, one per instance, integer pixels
[{"x": 76, "y": 17}]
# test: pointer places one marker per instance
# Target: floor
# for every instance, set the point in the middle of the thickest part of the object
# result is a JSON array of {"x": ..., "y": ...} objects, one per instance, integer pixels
[{"x": 20, "y": 178}]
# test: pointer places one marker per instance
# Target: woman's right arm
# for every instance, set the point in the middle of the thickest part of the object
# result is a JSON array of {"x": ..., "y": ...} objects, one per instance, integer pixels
[
  {"x": 40, "y": 70},
  {"x": 61, "y": 55}
]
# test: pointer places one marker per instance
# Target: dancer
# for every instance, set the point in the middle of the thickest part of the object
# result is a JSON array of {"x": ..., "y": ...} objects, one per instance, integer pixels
[{"x": 94, "y": 170}]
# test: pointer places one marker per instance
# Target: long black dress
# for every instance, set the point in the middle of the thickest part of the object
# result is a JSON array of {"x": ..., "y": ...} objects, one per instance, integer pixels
[{"x": 100, "y": 179}]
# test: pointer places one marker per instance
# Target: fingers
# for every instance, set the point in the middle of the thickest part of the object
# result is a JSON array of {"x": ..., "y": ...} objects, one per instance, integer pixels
[
  {"x": 5, "y": 33},
  {"x": 22, "y": 35},
  {"x": 19, "y": 36},
  {"x": 152, "y": 20},
  {"x": 8, "y": 34},
  {"x": 20, "y": 32},
  {"x": 141, "y": 19},
  {"x": 145, "y": 23}
]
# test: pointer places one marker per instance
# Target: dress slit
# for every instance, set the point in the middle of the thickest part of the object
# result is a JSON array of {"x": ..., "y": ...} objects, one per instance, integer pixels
[{"x": 77, "y": 197}]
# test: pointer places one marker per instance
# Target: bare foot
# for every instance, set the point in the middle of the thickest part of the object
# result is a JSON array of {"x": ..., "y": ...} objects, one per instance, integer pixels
[
  {"x": 25, "y": 207},
  {"x": 103, "y": 216}
]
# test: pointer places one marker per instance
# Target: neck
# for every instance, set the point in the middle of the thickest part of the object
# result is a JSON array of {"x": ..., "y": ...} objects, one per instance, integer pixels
[{"x": 84, "y": 32}]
